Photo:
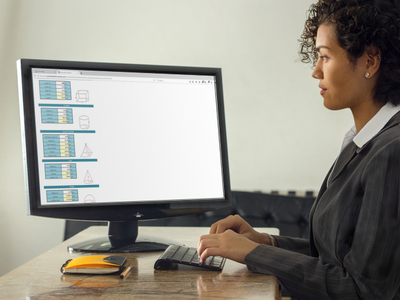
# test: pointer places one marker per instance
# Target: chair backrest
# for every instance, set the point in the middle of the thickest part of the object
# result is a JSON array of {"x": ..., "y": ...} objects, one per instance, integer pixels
[{"x": 289, "y": 213}]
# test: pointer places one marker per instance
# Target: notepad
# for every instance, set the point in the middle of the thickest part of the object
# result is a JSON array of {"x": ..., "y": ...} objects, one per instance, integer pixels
[{"x": 94, "y": 264}]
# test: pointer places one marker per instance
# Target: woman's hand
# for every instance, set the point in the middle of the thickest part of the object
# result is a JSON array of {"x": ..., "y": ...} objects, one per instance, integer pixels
[
  {"x": 240, "y": 226},
  {"x": 231, "y": 238},
  {"x": 228, "y": 244}
]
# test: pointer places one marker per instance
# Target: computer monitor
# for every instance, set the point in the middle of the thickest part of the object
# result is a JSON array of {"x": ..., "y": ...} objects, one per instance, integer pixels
[{"x": 122, "y": 143}]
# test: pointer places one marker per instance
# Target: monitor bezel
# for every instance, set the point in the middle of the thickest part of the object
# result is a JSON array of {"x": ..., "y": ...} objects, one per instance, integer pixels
[{"x": 121, "y": 211}]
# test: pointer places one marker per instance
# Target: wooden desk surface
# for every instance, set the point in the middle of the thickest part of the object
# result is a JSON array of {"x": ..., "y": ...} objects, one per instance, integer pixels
[{"x": 40, "y": 278}]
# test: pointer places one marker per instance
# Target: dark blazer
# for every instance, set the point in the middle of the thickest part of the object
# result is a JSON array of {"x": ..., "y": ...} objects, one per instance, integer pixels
[{"x": 354, "y": 246}]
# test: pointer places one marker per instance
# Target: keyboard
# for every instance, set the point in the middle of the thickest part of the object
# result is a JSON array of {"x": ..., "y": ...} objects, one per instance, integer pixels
[{"x": 175, "y": 255}]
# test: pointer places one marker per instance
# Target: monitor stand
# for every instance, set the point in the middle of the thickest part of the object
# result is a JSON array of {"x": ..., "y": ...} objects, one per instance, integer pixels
[{"x": 123, "y": 238}]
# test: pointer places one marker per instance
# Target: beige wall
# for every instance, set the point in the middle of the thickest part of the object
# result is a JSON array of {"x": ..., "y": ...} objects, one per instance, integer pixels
[{"x": 280, "y": 136}]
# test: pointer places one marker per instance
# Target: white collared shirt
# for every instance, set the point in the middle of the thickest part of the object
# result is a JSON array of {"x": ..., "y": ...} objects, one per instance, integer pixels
[{"x": 372, "y": 127}]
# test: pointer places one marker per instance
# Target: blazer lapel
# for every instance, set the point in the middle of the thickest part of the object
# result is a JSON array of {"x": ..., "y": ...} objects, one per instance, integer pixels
[
  {"x": 344, "y": 158},
  {"x": 352, "y": 150}
]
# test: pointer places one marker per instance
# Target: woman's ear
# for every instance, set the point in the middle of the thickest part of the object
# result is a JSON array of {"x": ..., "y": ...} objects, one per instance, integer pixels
[{"x": 373, "y": 60}]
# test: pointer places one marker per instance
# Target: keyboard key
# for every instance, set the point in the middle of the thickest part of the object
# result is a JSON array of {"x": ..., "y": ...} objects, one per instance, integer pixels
[
  {"x": 208, "y": 261},
  {"x": 196, "y": 259},
  {"x": 216, "y": 262},
  {"x": 168, "y": 254},
  {"x": 190, "y": 253},
  {"x": 179, "y": 254}
]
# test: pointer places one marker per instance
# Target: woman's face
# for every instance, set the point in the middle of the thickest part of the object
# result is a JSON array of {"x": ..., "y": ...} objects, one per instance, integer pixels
[{"x": 343, "y": 84}]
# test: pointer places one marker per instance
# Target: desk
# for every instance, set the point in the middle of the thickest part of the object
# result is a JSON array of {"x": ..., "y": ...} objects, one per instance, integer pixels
[{"x": 40, "y": 278}]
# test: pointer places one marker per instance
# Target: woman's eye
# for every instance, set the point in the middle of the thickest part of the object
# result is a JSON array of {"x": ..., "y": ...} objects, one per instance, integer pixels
[{"x": 323, "y": 57}]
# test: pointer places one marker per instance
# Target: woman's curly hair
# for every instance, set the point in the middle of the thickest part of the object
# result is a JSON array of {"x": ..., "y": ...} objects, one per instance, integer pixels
[{"x": 359, "y": 26}]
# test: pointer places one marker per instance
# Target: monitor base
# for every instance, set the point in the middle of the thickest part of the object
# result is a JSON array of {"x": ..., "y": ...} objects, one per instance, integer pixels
[
  {"x": 123, "y": 237},
  {"x": 143, "y": 243}
]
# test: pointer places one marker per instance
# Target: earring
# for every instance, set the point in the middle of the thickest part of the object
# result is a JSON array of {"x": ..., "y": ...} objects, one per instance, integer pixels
[{"x": 367, "y": 74}]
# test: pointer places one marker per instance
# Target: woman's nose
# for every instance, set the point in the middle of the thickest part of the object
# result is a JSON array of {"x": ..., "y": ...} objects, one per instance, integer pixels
[{"x": 317, "y": 73}]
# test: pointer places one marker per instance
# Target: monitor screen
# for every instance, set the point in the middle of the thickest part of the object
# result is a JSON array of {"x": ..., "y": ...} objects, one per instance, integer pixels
[{"x": 122, "y": 142}]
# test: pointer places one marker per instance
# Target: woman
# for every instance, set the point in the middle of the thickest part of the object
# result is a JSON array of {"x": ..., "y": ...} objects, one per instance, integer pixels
[{"x": 354, "y": 246}]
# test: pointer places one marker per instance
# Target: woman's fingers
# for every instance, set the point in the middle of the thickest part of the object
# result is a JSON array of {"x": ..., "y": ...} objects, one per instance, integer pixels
[
  {"x": 236, "y": 223},
  {"x": 227, "y": 244}
]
